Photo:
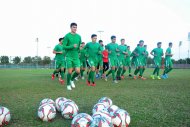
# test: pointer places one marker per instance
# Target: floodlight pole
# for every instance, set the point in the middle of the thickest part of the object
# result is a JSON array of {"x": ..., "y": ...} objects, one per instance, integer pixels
[
  {"x": 100, "y": 32},
  {"x": 37, "y": 40}
]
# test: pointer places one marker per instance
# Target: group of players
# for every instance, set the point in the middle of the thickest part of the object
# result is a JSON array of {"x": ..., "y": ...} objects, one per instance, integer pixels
[{"x": 75, "y": 55}]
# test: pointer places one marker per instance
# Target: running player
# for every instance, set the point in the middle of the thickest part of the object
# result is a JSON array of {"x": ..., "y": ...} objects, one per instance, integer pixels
[
  {"x": 71, "y": 44},
  {"x": 60, "y": 61},
  {"x": 145, "y": 57},
  {"x": 168, "y": 61},
  {"x": 93, "y": 50},
  {"x": 112, "y": 50},
  {"x": 99, "y": 69},
  {"x": 82, "y": 56},
  {"x": 157, "y": 53},
  {"x": 105, "y": 61}
]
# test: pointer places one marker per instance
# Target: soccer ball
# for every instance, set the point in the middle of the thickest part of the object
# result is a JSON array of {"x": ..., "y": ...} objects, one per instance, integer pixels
[
  {"x": 46, "y": 112},
  {"x": 58, "y": 102},
  {"x": 106, "y": 100},
  {"x": 101, "y": 122},
  {"x": 47, "y": 100},
  {"x": 112, "y": 109},
  {"x": 5, "y": 116},
  {"x": 98, "y": 107},
  {"x": 121, "y": 118},
  {"x": 69, "y": 110},
  {"x": 81, "y": 120},
  {"x": 103, "y": 113}
]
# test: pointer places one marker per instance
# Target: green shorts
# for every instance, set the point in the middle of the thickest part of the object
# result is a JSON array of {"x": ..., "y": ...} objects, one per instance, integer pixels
[
  {"x": 72, "y": 62},
  {"x": 60, "y": 64},
  {"x": 83, "y": 63},
  {"x": 168, "y": 63},
  {"x": 113, "y": 62},
  {"x": 128, "y": 63},
  {"x": 157, "y": 63},
  {"x": 139, "y": 62},
  {"x": 121, "y": 62},
  {"x": 92, "y": 62},
  {"x": 100, "y": 62}
]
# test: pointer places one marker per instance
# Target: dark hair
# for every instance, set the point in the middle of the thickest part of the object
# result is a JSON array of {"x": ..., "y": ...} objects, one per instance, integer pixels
[
  {"x": 113, "y": 37},
  {"x": 60, "y": 39},
  {"x": 122, "y": 39},
  {"x": 141, "y": 41},
  {"x": 128, "y": 46},
  {"x": 159, "y": 43},
  {"x": 170, "y": 43},
  {"x": 145, "y": 45},
  {"x": 93, "y": 35},
  {"x": 100, "y": 41},
  {"x": 73, "y": 24},
  {"x": 83, "y": 43},
  {"x": 137, "y": 44}
]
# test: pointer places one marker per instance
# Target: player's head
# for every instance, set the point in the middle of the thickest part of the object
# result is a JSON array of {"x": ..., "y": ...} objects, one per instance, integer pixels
[
  {"x": 73, "y": 27},
  {"x": 122, "y": 41},
  {"x": 138, "y": 45},
  {"x": 141, "y": 43},
  {"x": 100, "y": 42},
  {"x": 94, "y": 37},
  {"x": 159, "y": 44},
  {"x": 113, "y": 38},
  {"x": 145, "y": 46},
  {"x": 82, "y": 44},
  {"x": 170, "y": 44},
  {"x": 128, "y": 47},
  {"x": 106, "y": 48},
  {"x": 60, "y": 40}
]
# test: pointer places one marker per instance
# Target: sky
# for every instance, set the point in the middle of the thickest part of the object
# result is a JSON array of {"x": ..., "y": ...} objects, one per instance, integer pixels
[{"x": 22, "y": 21}]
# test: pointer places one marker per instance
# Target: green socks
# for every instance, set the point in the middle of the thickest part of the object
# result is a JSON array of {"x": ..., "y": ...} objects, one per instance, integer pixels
[
  {"x": 68, "y": 78},
  {"x": 74, "y": 76}
]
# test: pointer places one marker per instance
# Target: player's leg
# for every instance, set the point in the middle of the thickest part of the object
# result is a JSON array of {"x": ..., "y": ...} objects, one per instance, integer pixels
[
  {"x": 124, "y": 68},
  {"x": 136, "y": 64},
  {"x": 120, "y": 66},
  {"x": 62, "y": 73},
  {"x": 76, "y": 65},
  {"x": 141, "y": 66},
  {"x": 69, "y": 72},
  {"x": 155, "y": 69},
  {"x": 101, "y": 68}
]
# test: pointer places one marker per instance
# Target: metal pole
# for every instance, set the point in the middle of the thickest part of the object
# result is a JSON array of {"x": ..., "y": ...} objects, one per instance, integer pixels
[
  {"x": 37, "y": 53},
  {"x": 100, "y": 31}
]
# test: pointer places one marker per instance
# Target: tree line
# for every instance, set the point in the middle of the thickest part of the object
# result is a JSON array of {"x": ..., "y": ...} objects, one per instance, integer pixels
[{"x": 47, "y": 60}]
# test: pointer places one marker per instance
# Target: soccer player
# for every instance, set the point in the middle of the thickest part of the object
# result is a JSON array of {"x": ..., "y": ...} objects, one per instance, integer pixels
[
  {"x": 60, "y": 60},
  {"x": 93, "y": 50},
  {"x": 82, "y": 56},
  {"x": 71, "y": 44},
  {"x": 157, "y": 53},
  {"x": 112, "y": 50},
  {"x": 127, "y": 62},
  {"x": 139, "y": 52},
  {"x": 145, "y": 57},
  {"x": 168, "y": 61},
  {"x": 105, "y": 61},
  {"x": 121, "y": 59},
  {"x": 99, "y": 69},
  {"x": 134, "y": 61}
]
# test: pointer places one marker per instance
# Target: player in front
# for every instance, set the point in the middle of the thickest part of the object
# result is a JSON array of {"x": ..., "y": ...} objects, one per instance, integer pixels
[
  {"x": 140, "y": 53},
  {"x": 93, "y": 50},
  {"x": 112, "y": 54},
  {"x": 168, "y": 61},
  {"x": 60, "y": 60},
  {"x": 157, "y": 53},
  {"x": 71, "y": 44}
]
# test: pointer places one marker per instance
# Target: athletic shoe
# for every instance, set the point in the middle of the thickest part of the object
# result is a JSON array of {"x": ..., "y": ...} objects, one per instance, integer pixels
[
  {"x": 130, "y": 75},
  {"x": 139, "y": 76},
  {"x": 87, "y": 83},
  {"x": 97, "y": 76},
  {"x": 158, "y": 77},
  {"x": 122, "y": 77},
  {"x": 115, "y": 81},
  {"x": 76, "y": 79},
  {"x": 166, "y": 75},
  {"x": 152, "y": 76},
  {"x": 135, "y": 77},
  {"x": 69, "y": 87},
  {"x": 52, "y": 76},
  {"x": 72, "y": 84},
  {"x": 61, "y": 81},
  {"x": 143, "y": 78},
  {"x": 106, "y": 79},
  {"x": 93, "y": 84},
  {"x": 163, "y": 77},
  {"x": 82, "y": 78}
]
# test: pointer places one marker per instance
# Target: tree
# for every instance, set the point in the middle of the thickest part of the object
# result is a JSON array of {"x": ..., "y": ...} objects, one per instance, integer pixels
[
  {"x": 37, "y": 60},
  {"x": 4, "y": 59},
  {"x": 188, "y": 60},
  {"x": 16, "y": 60},
  {"x": 46, "y": 60},
  {"x": 27, "y": 59}
]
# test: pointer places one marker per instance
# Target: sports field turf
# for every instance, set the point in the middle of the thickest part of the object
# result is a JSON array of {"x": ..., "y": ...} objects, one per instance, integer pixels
[{"x": 151, "y": 103}]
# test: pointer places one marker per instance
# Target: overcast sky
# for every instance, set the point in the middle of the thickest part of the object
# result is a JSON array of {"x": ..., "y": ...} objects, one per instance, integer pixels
[{"x": 22, "y": 21}]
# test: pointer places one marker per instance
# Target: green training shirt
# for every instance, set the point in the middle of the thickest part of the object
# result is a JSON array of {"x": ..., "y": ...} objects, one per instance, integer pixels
[
  {"x": 112, "y": 50},
  {"x": 158, "y": 52},
  {"x": 168, "y": 51},
  {"x": 122, "y": 48},
  {"x": 93, "y": 49},
  {"x": 58, "y": 56}
]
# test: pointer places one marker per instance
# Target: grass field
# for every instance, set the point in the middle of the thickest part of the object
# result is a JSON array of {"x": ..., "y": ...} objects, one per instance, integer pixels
[{"x": 151, "y": 103}]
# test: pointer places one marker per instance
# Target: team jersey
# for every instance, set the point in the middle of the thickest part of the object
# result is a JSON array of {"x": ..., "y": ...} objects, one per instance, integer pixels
[
  {"x": 105, "y": 54},
  {"x": 122, "y": 49},
  {"x": 83, "y": 54},
  {"x": 168, "y": 51},
  {"x": 93, "y": 49},
  {"x": 112, "y": 50},
  {"x": 140, "y": 50},
  {"x": 100, "y": 54},
  {"x": 68, "y": 44},
  {"x": 128, "y": 56},
  {"x": 58, "y": 56},
  {"x": 158, "y": 52}
]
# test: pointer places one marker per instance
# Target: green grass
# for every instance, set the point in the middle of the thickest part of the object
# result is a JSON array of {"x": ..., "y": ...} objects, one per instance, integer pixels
[{"x": 151, "y": 103}]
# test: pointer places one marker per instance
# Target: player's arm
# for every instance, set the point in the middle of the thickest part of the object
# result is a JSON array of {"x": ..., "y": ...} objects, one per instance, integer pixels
[
  {"x": 55, "y": 52},
  {"x": 168, "y": 54},
  {"x": 152, "y": 53},
  {"x": 135, "y": 52},
  {"x": 65, "y": 44}
]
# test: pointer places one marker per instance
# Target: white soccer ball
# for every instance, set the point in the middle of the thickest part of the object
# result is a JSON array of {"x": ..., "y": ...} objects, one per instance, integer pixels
[
  {"x": 59, "y": 102},
  {"x": 47, "y": 101},
  {"x": 112, "y": 109},
  {"x": 106, "y": 100},
  {"x": 121, "y": 118},
  {"x": 98, "y": 107},
  {"x": 81, "y": 120},
  {"x": 46, "y": 112},
  {"x": 101, "y": 122},
  {"x": 103, "y": 113},
  {"x": 5, "y": 116},
  {"x": 69, "y": 110}
]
